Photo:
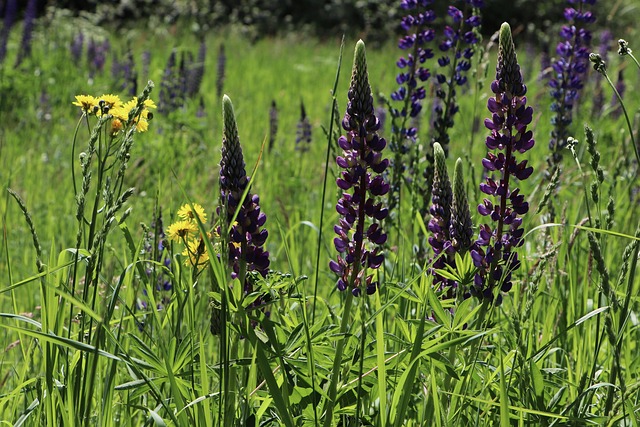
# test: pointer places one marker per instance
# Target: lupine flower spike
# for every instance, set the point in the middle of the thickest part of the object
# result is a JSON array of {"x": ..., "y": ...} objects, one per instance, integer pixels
[
  {"x": 569, "y": 70},
  {"x": 247, "y": 234},
  {"x": 360, "y": 236},
  {"x": 458, "y": 47},
  {"x": 494, "y": 251},
  {"x": 221, "y": 65},
  {"x": 273, "y": 124},
  {"x": 303, "y": 133},
  {"x": 411, "y": 91}
]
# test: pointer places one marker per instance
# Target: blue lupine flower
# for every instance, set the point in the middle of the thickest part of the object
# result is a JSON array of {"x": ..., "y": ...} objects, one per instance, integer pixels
[
  {"x": 569, "y": 69},
  {"x": 10, "y": 13},
  {"x": 359, "y": 234},
  {"x": 27, "y": 32},
  {"x": 494, "y": 251}
]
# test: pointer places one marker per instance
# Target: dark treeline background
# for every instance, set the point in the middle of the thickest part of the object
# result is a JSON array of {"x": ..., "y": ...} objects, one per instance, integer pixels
[{"x": 373, "y": 19}]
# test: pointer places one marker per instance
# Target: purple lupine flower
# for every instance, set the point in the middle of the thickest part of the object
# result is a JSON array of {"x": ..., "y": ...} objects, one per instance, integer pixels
[
  {"x": 167, "y": 101},
  {"x": 10, "y": 13},
  {"x": 450, "y": 223},
  {"x": 569, "y": 69},
  {"x": 196, "y": 71},
  {"x": 411, "y": 80},
  {"x": 360, "y": 235},
  {"x": 303, "y": 133},
  {"x": 273, "y": 124},
  {"x": 124, "y": 74},
  {"x": 458, "y": 48},
  {"x": 146, "y": 61},
  {"x": 221, "y": 65},
  {"x": 76, "y": 46},
  {"x": 247, "y": 236},
  {"x": 97, "y": 55},
  {"x": 30, "y": 15},
  {"x": 440, "y": 223},
  {"x": 606, "y": 40},
  {"x": 494, "y": 251}
]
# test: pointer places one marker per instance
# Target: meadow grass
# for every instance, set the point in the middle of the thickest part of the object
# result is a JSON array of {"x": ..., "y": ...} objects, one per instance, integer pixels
[{"x": 561, "y": 350}]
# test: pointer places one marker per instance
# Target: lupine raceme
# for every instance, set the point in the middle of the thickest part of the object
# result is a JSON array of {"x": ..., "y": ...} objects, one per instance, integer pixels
[
  {"x": 359, "y": 234},
  {"x": 569, "y": 69},
  {"x": 247, "y": 236},
  {"x": 494, "y": 251}
]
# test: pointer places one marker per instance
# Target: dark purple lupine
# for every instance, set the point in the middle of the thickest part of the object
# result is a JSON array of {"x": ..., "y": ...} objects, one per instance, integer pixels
[
  {"x": 10, "y": 13},
  {"x": 125, "y": 75},
  {"x": 303, "y": 133},
  {"x": 457, "y": 47},
  {"x": 167, "y": 98},
  {"x": 360, "y": 235},
  {"x": 221, "y": 65},
  {"x": 247, "y": 237},
  {"x": 76, "y": 46},
  {"x": 146, "y": 61},
  {"x": 569, "y": 69},
  {"x": 97, "y": 55},
  {"x": 416, "y": 26},
  {"x": 273, "y": 124},
  {"x": 494, "y": 251},
  {"x": 30, "y": 15},
  {"x": 196, "y": 71},
  {"x": 450, "y": 224},
  {"x": 440, "y": 223}
]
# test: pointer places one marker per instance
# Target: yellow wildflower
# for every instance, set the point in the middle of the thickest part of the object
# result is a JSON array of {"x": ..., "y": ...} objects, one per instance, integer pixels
[
  {"x": 86, "y": 103},
  {"x": 187, "y": 213},
  {"x": 121, "y": 113},
  {"x": 142, "y": 125},
  {"x": 116, "y": 126},
  {"x": 196, "y": 253},
  {"x": 180, "y": 230},
  {"x": 112, "y": 101}
]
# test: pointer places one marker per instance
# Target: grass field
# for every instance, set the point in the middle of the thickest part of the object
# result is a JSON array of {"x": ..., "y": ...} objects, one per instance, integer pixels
[{"x": 83, "y": 345}]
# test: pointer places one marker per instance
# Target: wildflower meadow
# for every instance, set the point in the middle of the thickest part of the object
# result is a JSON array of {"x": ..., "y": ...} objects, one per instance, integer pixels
[{"x": 356, "y": 213}]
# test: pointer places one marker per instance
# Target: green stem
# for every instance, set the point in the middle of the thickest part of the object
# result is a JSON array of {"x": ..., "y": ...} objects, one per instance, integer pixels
[{"x": 337, "y": 362}]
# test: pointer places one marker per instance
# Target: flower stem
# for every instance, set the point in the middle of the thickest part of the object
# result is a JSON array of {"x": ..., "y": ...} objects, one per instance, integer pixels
[{"x": 337, "y": 361}]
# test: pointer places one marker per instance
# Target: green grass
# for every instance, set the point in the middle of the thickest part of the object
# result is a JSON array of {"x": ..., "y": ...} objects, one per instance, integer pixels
[{"x": 558, "y": 351}]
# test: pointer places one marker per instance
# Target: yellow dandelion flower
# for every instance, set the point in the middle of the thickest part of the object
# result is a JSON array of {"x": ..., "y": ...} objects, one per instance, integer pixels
[
  {"x": 86, "y": 103},
  {"x": 185, "y": 212},
  {"x": 120, "y": 113},
  {"x": 112, "y": 101},
  {"x": 196, "y": 253},
  {"x": 180, "y": 230},
  {"x": 150, "y": 104}
]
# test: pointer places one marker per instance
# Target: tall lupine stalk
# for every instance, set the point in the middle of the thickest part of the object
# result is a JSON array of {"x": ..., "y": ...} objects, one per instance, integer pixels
[
  {"x": 247, "y": 235},
  {"x": 569, "y": 69},
  {"x": 30, "y": 15},
  {"x": 76, "y": 46},
  {"x": 303, "y": 131},
  {"x": 494, "y": 251},
  {"x": 196, "y": 71},
  {"x": 359, "y": 234},
  {"x": 220, "y": 69},
  {"x": 97, "y": 55},
  {"x": 124, "y": 73},
  {"x": 412, "y": 77},
  {"x": 167, "y": 99},
  {"x": 457, "y": 47},
  {"x": 450, "y": 223},
  {"x": 10, "y": 13}
]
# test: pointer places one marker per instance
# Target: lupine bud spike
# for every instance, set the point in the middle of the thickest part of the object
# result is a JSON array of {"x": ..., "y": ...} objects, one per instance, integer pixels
[{"x": 461, "y": 224}]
